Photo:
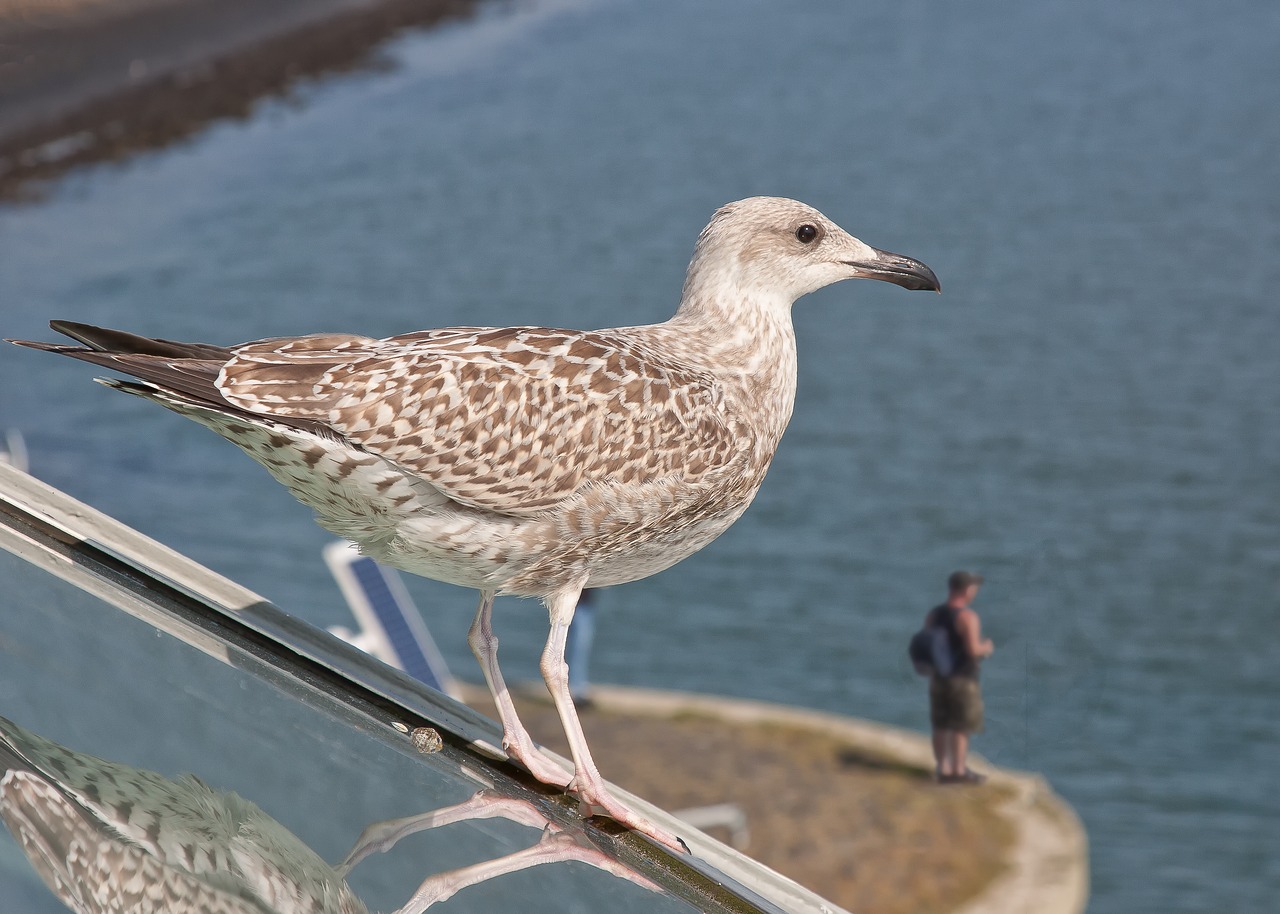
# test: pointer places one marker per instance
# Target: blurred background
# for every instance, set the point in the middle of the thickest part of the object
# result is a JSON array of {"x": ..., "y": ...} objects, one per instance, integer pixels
[{"x": 1088, "y": 415}]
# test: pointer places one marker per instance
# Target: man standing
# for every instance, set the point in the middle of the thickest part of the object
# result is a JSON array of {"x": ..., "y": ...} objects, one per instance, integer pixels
[{"x": 955, "y": 701}]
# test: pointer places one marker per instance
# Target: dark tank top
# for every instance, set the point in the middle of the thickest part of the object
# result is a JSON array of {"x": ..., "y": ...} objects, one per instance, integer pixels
[{"x": 966, "y": 664}]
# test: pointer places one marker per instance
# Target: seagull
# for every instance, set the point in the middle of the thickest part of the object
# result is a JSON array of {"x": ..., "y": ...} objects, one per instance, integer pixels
[{"x": 530, "y": 461}]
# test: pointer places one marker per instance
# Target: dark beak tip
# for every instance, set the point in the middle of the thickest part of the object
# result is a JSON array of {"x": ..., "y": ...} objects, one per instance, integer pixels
[
  {"x": 902, "y": 271},
  {"x": 923, "y": 282}
]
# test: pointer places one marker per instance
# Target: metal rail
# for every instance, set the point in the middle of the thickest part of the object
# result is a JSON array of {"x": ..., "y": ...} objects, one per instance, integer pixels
[{"x": 147, "y": 580}]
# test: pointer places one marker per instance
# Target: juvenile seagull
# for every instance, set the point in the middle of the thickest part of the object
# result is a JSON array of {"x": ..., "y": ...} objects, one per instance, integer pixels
[{"x": 527, "y": 460}]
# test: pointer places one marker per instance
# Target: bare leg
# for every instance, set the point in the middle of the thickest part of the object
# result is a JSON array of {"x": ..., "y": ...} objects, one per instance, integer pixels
[
  {"x": 940, "y": 751},
  {"x": 516, "y": 741},
  {"x": 587, "y": 782},
  {"x": 960, "y": 752},
  {"x": 556, "y": 845},
  {"x": 950, "y": 765},
  {"x": 380, "y": 837},
  {"x": 553, "y": 847}
]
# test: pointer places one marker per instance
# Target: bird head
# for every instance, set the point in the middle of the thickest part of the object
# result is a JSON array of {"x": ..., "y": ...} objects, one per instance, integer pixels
[{"x": 780, "y": 249}]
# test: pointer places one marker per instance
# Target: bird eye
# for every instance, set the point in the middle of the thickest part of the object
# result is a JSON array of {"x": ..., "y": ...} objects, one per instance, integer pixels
[{"x": 806, "y": 233}]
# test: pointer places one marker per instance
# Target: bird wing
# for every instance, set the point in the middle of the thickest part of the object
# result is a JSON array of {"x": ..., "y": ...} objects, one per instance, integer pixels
[{"x": 512, "y": 420}]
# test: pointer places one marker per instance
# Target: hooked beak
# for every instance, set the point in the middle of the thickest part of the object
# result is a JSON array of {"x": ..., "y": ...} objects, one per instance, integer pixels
[{"x": 894, "y": 268}]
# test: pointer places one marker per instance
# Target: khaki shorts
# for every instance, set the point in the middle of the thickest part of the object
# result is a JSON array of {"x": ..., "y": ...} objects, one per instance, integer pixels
[{"x": 955, "y": 704}]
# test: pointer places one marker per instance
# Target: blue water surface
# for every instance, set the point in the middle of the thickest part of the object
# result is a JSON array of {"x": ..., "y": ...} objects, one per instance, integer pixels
[{"x": 1088, "y": 415}]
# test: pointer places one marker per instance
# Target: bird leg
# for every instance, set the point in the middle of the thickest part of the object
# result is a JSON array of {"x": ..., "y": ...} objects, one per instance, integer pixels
[
  {"x": 553, "y": 847},
  {"x": 557, "y": 845},
  {"x": 516, "y": 741},
  {"x": 587, "y": 783},
  {"x": 381, "y": 837}
]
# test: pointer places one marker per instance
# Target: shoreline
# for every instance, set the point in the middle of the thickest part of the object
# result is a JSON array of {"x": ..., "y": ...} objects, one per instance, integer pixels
[
  {"x": 845, "y": 806},
  {"x": 84, "y": 81}
]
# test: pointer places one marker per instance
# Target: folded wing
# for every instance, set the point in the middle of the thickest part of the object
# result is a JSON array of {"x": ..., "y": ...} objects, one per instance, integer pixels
[{"x": 507, "y": 420}]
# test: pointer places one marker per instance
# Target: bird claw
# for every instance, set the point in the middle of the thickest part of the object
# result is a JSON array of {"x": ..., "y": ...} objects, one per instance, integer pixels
[
  {"x": 537, "y": 764},
  {"x": 595, "y": 802}
]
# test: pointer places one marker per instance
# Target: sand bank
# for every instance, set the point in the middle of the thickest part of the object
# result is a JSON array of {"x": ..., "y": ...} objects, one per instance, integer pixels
[
  {"x": 90, "y": 80},
  {"x": 845, "y": 807}
]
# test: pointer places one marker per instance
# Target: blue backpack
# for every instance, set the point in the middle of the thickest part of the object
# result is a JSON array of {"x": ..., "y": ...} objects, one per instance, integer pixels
[{"x": 930, "y": 652}]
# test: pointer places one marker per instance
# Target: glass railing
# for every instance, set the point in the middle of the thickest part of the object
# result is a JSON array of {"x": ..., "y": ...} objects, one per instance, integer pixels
[{"x": 171, "y": 742}]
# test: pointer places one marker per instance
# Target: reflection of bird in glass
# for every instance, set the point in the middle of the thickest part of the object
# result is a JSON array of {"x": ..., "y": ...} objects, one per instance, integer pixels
[
  {"x": 108, "y": 838},
  {"x": 528, "y": 460}
]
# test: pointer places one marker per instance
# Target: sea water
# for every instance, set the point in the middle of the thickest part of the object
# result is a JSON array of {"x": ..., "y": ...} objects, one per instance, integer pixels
[{"x": 1089, "y": 415}]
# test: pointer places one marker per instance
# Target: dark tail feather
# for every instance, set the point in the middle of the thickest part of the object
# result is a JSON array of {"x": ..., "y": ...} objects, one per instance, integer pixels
[
  {"x": 187, "y": 369},
  {"x": 118, "y": 341}
]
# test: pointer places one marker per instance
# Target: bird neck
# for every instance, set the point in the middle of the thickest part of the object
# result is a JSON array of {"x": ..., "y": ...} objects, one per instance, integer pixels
[{"x": 752, "y": 352}]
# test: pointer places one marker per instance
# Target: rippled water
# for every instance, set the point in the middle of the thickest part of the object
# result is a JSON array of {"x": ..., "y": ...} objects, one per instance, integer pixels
[{"x": 1088, "y": 415}]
